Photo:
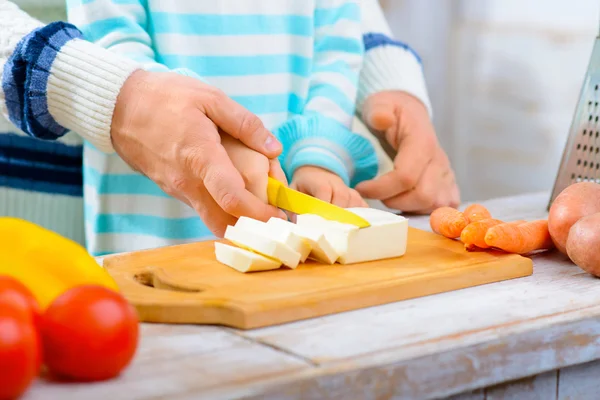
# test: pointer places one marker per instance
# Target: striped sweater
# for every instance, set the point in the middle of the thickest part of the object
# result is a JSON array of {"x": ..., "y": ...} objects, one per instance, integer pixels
[{"x": 310, "y": 108}]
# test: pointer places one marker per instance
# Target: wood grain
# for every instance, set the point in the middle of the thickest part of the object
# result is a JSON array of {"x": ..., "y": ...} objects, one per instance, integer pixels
[{"x": 185, "y": 284}]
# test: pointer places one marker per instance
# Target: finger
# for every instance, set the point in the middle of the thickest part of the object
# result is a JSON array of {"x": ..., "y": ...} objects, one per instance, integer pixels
[
  {"x": 226, "y": 185},
  {"x": 340, "y": 196},
  {"x": 356, "y": 200},
  {"x": 211, "y": 214},
  {"x": 447, "y": 194},
  {"x": 415, "y": 153},
  {"x": 378, "y": 113},
  {"x": 235, "y": 120},
  {"x": 423, "y": 196},
  {"x": 323, "y": 192}
]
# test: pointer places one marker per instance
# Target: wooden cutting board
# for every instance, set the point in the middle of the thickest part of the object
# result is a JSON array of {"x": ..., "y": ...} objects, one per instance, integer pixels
[{"x": 185, "y": 283}]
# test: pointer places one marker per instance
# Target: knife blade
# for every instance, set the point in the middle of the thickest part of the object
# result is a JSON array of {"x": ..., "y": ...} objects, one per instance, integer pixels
[{"x": 291, "y": 200}]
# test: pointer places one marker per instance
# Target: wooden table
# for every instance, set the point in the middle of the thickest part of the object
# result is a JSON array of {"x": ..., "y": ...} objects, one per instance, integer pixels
[{"x": 531, "y": 338}]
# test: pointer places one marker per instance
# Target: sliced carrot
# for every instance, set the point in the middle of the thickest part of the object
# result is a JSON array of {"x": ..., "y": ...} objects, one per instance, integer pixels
[
  {"x": 520, "y": 238},
  {"x": 477, "y": 212},
  {"x": 448, "y": 221}
]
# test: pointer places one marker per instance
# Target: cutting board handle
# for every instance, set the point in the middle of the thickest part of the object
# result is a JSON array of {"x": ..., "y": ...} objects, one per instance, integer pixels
[{"x": 159, "y": 299}]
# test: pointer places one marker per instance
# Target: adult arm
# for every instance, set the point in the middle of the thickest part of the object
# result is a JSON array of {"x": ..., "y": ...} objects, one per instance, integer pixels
[
  {"x": 321, "y": 135},
  {"x": 52, "y": 81}
]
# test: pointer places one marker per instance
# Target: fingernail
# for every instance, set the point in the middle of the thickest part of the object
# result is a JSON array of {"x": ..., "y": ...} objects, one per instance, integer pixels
[{"x": 272, "y": 144}]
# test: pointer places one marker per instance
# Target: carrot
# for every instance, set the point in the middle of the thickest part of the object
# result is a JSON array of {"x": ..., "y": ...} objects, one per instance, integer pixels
[
  {"x": 448, "y": 221},
  {"x": 477, "y": 212},
  {"x": 473, "y": 236},
  {"x": 521, "y": 239}
]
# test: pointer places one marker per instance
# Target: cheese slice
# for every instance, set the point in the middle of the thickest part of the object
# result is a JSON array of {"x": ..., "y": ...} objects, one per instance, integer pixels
[
  {"x": 263, "y": 245},
  {"x": 243, "y": 260},
  {"x": 320, "y": 248},
  {"x": 387, "y": 236},
  {"x": 277, "y": 231}
]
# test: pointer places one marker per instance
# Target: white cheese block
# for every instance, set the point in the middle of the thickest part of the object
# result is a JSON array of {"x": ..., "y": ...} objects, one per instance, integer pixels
[
  {"x": 264, "y": 245},
  {"x": 276, "y": 231},
  {"x": 243, "y": 260},
  {"x": 385, "y": 238},
  {"x": 319, "y": 247}
]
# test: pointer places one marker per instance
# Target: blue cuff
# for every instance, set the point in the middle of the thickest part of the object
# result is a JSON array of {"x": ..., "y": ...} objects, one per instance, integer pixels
[
  {"x": 373, "y": 40},
  {"x": 323, "y": 142},
  {"x": 25, "y": 79}
]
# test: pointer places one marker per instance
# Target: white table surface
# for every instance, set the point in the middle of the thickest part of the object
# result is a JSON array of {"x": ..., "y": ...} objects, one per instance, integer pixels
[{"x": 423, "y": 348}]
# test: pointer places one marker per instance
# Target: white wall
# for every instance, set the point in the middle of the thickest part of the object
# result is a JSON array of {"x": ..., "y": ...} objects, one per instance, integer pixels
[{"x": 504, "y": 77}]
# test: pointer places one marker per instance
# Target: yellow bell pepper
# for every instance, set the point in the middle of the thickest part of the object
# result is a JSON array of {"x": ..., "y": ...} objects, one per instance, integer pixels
[{"x": 46, "y": 262}]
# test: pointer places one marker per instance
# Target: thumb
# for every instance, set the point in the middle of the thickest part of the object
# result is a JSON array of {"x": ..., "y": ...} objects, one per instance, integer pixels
[
  {"x": 378, "y": 112},
  {"x": 235, "y": 120}
]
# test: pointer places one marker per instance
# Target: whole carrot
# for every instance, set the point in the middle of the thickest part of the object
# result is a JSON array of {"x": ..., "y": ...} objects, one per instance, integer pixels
[
  {"x": 521, "y": 239},
  {"x": 473, "y": 236},
  {"x": 448, "y": 221},
  {"x": 477, "y": 212}
]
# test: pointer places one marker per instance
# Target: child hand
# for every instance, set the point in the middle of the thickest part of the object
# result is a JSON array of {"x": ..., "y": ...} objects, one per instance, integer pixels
[
  {"x": 327, "y": 186},
  {"x": 254, "y": 167},
  {"x": 422, "y": 179}
]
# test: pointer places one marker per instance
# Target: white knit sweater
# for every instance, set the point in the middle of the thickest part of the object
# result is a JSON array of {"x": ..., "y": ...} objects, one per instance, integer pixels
[{"x": 80, "y": 86}]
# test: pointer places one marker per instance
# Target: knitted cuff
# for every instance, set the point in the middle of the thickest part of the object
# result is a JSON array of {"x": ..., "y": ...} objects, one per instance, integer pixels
[
  {"x": 83, "y": 86},
  {"x": 323, "y": 142},
  {"x": 54, "y": 82},
  {"x": 391, "y": 65}
]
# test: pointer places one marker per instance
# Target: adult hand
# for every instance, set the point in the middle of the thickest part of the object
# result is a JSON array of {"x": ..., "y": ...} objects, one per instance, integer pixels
[
  {"x": 168, "y": 127},
  {"x": 422, "y": 178}
]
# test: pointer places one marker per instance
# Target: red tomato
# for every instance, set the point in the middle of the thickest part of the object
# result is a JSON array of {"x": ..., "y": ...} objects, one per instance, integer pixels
[
  {"x": 89, "y": 333},
  {"x": 20, "y": 351},
  {"x": 13, "y": 293}
]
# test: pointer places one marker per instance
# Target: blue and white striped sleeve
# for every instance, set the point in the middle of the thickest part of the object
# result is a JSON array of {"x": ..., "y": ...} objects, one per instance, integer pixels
[
  {"x": 121, "y": 27},
  {"x": 321, "y": 136},
  {"x": 389, "y": 64}
]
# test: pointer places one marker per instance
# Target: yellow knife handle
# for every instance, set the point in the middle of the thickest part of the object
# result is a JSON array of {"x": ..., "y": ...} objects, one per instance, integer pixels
[{"x": 273, "y": 186}]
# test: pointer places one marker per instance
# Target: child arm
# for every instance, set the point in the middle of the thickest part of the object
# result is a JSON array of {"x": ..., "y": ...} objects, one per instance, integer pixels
[
  {"x": 321, "y": 135},
  {"x": 388, "y": 63}
]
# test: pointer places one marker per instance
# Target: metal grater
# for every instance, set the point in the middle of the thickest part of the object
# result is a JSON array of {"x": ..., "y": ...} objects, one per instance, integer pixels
[{"x": 581, "y": 158}]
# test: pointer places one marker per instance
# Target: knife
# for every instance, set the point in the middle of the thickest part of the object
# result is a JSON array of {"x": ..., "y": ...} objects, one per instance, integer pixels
[{"x": 291, "y": 200}]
